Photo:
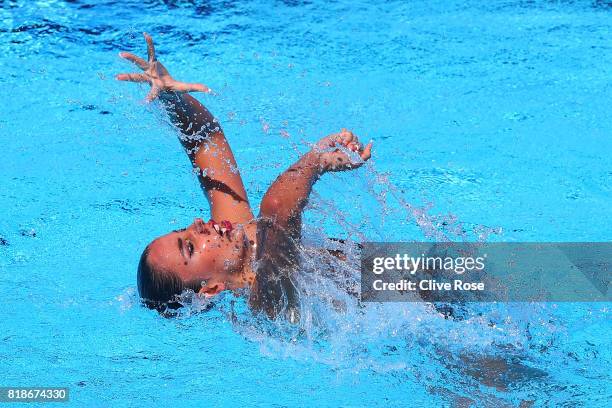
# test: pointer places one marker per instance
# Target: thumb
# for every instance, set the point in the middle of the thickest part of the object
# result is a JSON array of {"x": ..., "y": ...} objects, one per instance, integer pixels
[{"x": 367, "y": 152}]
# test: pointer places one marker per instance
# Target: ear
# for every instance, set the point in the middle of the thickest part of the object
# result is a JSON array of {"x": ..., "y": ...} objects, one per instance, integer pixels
[{"x": 212, "y": 290}]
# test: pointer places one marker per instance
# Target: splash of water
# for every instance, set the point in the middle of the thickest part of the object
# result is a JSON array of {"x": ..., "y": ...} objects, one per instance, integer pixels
[{"x": 414, "y": 341}]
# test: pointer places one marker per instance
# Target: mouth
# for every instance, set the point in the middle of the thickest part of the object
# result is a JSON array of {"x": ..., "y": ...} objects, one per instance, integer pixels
[{"x": 224, "y": 228}]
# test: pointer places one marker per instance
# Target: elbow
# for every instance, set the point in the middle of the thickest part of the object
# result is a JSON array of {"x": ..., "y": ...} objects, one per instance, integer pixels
[{"x": 271, "y": 206}]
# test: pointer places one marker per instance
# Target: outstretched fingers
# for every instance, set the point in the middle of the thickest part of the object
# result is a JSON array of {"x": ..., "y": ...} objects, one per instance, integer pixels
[
  {"x": 187, "y": 87},
  {"x": 133, "y": 77},
  {"x": 142, "y": 64},
  {"x": 150, "y": 47}
]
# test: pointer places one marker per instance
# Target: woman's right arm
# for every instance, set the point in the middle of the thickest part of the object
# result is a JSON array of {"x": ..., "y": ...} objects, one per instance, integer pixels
[{"x": 201, "y": 136}]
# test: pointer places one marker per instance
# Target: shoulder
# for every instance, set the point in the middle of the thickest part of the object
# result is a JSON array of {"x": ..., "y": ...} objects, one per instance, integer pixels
[{"x": 275, "y": 243}]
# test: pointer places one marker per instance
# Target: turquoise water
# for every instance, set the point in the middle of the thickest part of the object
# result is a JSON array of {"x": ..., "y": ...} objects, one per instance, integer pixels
[{"x": 491, "y": 121}]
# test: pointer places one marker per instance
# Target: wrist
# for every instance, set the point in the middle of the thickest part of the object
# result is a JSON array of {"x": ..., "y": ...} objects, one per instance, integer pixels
[
  {"x": 169, "y": 96},
  {"x": 312, "y": 160},
  {"x": 166, "y": 94},
  {"x": 308, "y": 165},
  {"x": 174, "y": 102}
]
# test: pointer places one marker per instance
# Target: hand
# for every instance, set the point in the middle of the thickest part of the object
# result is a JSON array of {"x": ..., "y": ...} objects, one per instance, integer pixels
[
  {"x": 342, "y": 151},
  {"x": 156, "y": 74}
]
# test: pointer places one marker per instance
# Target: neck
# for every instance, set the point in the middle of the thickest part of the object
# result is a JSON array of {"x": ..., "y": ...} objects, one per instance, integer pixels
[{"x": 246, "y": 278}]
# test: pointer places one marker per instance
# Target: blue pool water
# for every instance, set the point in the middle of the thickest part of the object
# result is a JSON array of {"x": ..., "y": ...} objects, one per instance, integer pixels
[{"x": 491, "y": 121}]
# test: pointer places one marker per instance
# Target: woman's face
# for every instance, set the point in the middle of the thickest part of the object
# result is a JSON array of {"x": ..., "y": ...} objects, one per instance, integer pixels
[{"x": 211, "y": 252}]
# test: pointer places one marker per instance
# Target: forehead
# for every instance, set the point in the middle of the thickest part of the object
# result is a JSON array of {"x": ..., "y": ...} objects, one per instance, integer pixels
[
  {"x": 164, "y": 251},
  {"x": 165, "y": 240}
]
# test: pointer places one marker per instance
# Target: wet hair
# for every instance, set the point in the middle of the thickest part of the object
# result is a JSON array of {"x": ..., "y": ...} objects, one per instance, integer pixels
[{"x": 159, "y": 289}]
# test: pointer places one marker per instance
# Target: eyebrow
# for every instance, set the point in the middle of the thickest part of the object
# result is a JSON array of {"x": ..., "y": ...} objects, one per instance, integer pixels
[{"x": 180, "y": 230}]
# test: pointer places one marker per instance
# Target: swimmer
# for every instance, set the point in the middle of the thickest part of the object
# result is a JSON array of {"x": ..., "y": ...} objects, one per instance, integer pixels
[
  {"x": 234, "y": 249},
  {"x": 237, "y": 250}
]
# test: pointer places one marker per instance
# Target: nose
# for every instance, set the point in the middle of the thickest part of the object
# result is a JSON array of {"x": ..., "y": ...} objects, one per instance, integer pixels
[{"x": 198, "y": 225}]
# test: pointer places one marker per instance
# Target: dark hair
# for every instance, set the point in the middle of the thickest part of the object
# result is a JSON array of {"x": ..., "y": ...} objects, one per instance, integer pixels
[{"x": 158, "y": 288}]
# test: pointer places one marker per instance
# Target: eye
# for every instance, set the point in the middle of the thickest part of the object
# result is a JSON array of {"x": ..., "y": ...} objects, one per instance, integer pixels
[{"x": 190, "y": 247}]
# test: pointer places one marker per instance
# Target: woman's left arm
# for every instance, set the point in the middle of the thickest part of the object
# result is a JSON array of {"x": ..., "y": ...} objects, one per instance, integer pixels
[
  {"x": 286, "y": 198},
  {"x": 280, "y": 222}
]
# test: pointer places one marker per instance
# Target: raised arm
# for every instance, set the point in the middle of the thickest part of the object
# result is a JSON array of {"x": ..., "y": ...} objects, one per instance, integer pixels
[
  {"x": 288, "y": 195},
  {"x": 200, "y": 134},
  {"x": 280, "y": 221}
]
